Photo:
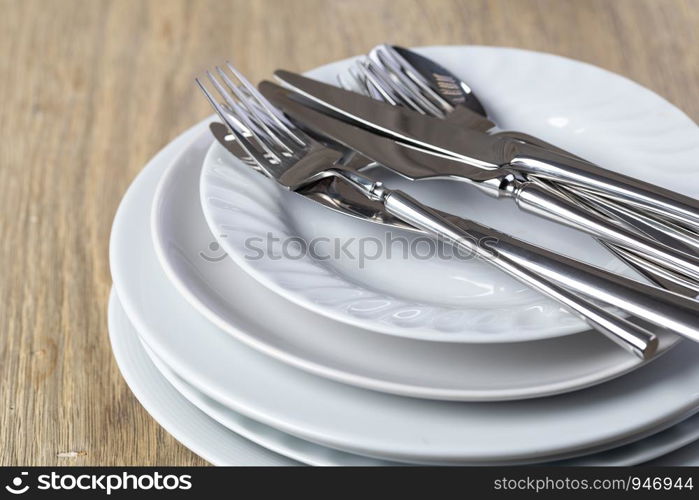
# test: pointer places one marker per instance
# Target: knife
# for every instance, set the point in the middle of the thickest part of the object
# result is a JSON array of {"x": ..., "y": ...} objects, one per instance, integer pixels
[
  {"x": 530, "y": 195},
  {"x": 490, "y": 151}
]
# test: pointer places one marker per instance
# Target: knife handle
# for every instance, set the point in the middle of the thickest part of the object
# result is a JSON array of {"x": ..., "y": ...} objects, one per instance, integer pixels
[
  {"x": 538, "y": 198},
  {"x": 657, "y": 228},
  {"x": 663, "y": 231},
  {"x": 653, "y": 272},
  {"x": 538, "y": 161},
  {"x": 659, "y": 307}
]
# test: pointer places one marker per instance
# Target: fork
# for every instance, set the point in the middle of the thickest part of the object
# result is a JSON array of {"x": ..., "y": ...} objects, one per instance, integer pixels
[{"x": 294, "y": 159}]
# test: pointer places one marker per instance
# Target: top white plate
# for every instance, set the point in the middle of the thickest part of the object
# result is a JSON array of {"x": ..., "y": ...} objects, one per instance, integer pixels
[{"x": 592, "y": 112}]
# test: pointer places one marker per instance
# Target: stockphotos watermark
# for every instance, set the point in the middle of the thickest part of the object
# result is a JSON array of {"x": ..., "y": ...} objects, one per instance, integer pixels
[
  {"x": 105, "y": 483},
  {"x": 362, "y": 250}
]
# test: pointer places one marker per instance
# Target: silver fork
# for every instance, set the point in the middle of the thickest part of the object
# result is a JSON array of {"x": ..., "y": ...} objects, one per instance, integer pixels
[{"x": 294, "y": 159}]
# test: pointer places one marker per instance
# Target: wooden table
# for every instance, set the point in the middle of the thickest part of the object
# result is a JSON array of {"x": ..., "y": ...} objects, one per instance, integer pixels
[{"x": 92, "y": 89}]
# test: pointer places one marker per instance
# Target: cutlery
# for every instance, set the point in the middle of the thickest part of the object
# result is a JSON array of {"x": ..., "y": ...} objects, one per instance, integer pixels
[
  {"x": 530, "y": 194},
  {"x": 294, "y": 159},
  {"x": 655, "y": 273},
  {"x": 490, "y": 151},
  {"x": 346, "y": 198},
  {"x": 402, "y": 77}
]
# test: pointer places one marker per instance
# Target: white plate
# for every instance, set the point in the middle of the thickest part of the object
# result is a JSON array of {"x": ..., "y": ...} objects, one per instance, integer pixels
[
  {"x": 284, "y": 444},
  {"x": 645, "y": 449},
  {"x": 231, "y": 299},
  {"x": 686, "y": 456},
  {"x": 366, "y": 422},
  {"x": 193, "y": 428},
  {"x": 590, "y": 111},
  {"x": 189, "y": 425}
]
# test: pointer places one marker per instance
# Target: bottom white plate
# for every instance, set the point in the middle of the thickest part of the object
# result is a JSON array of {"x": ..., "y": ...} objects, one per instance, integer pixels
[
  {"x": 686, "y": 456},
  {"x": 189, "y": 425},
  {"x": 219, "y": 445}
]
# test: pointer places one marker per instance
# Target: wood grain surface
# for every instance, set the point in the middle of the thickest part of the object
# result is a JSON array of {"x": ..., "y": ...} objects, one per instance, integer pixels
[{"x": 92, "y": 89}]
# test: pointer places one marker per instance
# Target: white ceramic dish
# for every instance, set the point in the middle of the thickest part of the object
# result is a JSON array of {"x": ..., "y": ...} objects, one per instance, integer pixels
[
  {"x": 227, "y": 296},
  {"x": 590, "y": 111},
  {"x": 189, "y": 425},
  {"x": 686, "y": 456},
  {"x": 640, "y": 451},
  {"x": 366, "y": 422},
  {"x": 177, "y": 414},
  {"x": 267, "y": 437}
]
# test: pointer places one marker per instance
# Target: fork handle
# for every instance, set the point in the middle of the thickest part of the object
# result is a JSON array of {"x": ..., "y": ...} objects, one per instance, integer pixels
[
  {"x": 658, "y": 307},
  {"x": 538, "y": 161},
  {"x": 628, "y": 335}
]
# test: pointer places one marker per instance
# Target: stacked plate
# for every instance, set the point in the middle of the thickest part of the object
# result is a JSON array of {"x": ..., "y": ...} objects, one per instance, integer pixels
[{"x": 259, "y": 328}]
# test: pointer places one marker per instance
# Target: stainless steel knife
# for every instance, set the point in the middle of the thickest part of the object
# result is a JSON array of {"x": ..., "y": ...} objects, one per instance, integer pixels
[
  {"x": 530, "y": 195},
  {"x": 491, "y": 151}
]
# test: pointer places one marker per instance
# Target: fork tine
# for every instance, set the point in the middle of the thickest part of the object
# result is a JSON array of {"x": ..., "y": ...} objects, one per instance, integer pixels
[
  {"x": 354, "y": 84},
  {"x": 410, "y": 93},
  {"x": 369, "y": 83},
  {"x": 369, "y": 87},
  {"x": 402, "y": 69},
  {"x": 260, "y": 159},
  {"x": 277, "y": 116},
  {"x": 231, "y": 121},
  {"x": 251, "y": 111},
  {"x": 225, "y": 117},
  {"x": 255, "y": 93},
  {"x": 233, "y": 107},
  {"x": 236, "y": 110},
  {"x": 391, "y": 92},
  {"x": 222, "y": 92}
]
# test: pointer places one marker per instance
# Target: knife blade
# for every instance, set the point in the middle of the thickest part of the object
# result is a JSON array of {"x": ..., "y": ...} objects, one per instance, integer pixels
[
  {"x": 472, "y": 147},
  {"x": 416, "y": 164},
  {"x": 408, "y": 161},
  {"x": 491, "y": 151}
]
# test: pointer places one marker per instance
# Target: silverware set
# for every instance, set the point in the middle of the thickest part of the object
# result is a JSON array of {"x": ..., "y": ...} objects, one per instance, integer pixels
[
  {"x": 400, "y": 111},
  {"x": 402, "y": 77}
]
